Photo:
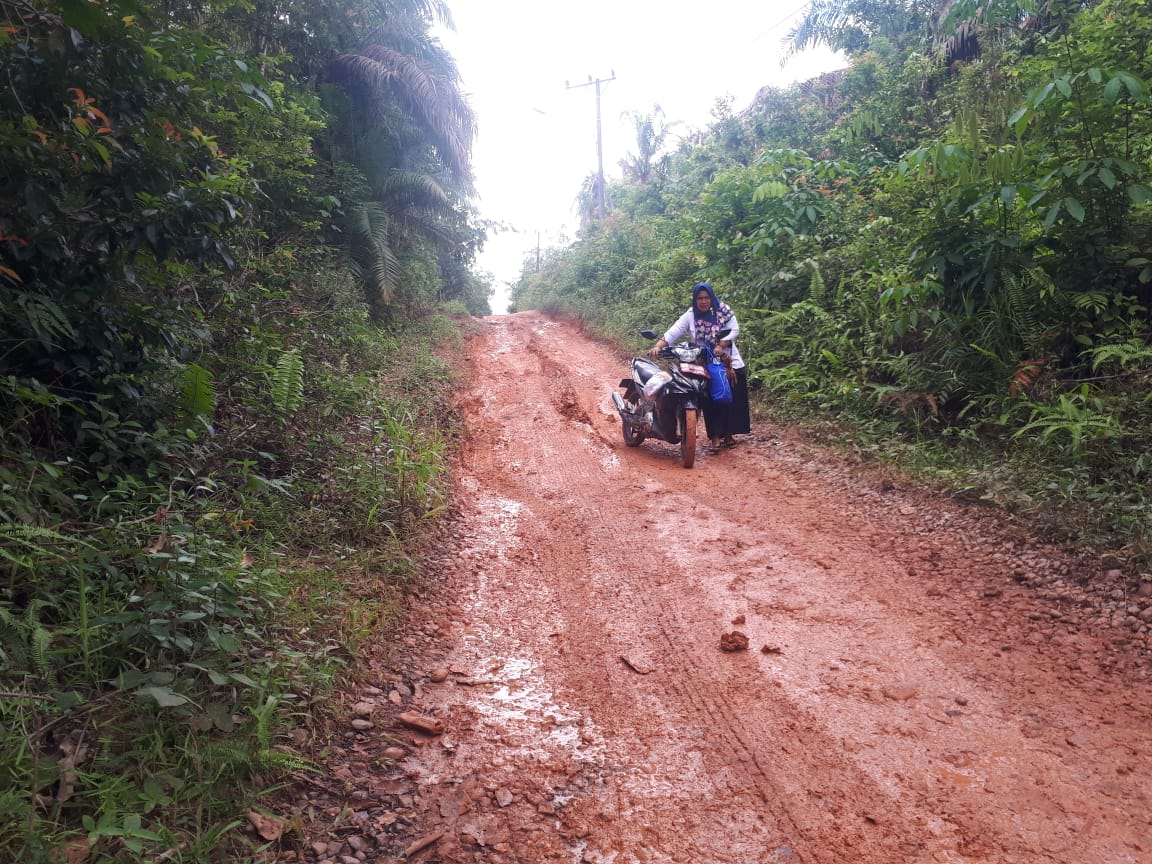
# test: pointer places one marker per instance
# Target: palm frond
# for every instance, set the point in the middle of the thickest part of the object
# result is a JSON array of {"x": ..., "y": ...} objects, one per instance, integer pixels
[
  {"x": 413, "y": 188},
  {"x": 47, "y": 321},
  {"x": 198, "y": 394},
  {"x": 385, "y": 274},
  {"x": 367, "y": 222},
  {"x": 375, "y": 263},
  {"x": 431, "y": 98},
  {"x": 31, "y": 545},
  {"x": 426, "y": 10},
  {"x": 822, "y": 19},
  {"x": 427, "y": 223}
]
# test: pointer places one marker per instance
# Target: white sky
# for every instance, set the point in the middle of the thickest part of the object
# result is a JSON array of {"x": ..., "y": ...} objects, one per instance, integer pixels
[{"x": 537, "y": 138}]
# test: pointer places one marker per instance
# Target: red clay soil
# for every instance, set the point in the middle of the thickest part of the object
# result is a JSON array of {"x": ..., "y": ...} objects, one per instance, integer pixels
[{"x": 922, "y": 682}]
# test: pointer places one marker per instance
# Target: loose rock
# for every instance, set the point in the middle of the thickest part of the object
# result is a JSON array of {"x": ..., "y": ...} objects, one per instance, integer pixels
[
  {"x": 431, "y": 725},
  {"x": 900, "y": 693},
  {"x": 734, "y": 641},
  {"x": 636, "y": 665}
]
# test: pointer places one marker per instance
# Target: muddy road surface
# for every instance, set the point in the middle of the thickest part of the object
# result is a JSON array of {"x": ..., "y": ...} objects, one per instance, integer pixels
[{"x": 922, "y": 683}]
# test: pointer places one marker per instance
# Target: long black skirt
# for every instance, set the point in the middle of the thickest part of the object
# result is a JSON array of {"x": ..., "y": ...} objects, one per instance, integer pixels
[{"x": 733, "y": 418}]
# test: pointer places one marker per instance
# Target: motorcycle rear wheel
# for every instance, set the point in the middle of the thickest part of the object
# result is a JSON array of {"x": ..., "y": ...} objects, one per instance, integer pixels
[
  {"x": 688, "y": 437},
  {"x": 632, "y": 437}
]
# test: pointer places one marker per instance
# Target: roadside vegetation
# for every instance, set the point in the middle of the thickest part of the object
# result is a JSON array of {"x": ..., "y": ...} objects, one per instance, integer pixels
[
  {"x": 941, "y": 255},
  {"x": 228, "y": 237},
  {"x": 234, "y": 238}
]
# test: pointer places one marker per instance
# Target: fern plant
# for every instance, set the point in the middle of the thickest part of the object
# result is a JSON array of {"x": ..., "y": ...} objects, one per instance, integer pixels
[
  {"x": 25, "y": 545},
  {"x": 1024, "y": 300},
  {"x": 198, "y": 395},
  {"x": 288, "y": 384},
  {"x": 46, "y": 320},
  {"x": 817, "y": 290},
  {"x": 25, "y": 643},
  {"x": 1078, "y": 419},
  {"x": 1133, "y": 353}
]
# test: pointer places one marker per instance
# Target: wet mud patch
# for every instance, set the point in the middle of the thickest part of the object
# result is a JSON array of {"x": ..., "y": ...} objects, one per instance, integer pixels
[
  {"x": 918, "y": 685},
  {"x": 569, "y": 406}
]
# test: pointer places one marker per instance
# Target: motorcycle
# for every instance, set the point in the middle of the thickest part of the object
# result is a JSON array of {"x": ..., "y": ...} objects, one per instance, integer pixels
[{"x": 665, "y": 403}]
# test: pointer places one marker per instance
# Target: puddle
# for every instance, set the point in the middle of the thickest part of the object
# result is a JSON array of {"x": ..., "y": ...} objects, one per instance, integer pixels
[
  {"x": 496, "y": 523},
  {"x": 520, "y": 703},
  {"x": 517, "y": 701}
]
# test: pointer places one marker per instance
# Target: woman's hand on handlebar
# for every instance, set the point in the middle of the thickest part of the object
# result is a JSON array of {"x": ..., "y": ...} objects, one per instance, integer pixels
[{"x": 655, "y": 350}]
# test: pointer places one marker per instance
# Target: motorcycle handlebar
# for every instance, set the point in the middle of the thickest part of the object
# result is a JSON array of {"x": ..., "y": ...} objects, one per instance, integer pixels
[{"x": 669, "y": 352}]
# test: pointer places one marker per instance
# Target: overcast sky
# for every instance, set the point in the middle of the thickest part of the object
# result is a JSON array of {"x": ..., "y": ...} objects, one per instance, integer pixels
[{"x": 537, "y": 136}]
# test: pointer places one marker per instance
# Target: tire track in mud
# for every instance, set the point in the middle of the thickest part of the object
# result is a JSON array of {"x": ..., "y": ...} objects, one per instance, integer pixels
[
  {"x": 999, "y": 679},
  {"x": 725, "y": 735},
  {"x": 973, "y": 817},
  {"x": 675, "y": 644},
  {"x": 575, "y": 552},
  {"x": 824, "y": 753},
  {"x": 800, "y": 818}
]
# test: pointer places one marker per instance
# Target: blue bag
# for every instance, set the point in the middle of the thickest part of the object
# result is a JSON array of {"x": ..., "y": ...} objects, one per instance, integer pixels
[{"x": 719, "y": 390}]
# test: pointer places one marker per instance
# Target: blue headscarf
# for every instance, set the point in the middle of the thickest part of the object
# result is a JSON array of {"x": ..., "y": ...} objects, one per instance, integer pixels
[{"x": 710, "y": 323}]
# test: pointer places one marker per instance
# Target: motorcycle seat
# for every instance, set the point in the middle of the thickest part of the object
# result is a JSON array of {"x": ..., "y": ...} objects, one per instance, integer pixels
[{"x": 644, "y": 369}]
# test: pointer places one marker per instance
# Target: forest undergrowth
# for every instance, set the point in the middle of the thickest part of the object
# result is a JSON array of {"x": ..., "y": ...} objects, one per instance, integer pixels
[{"x": 169, "y": 644}]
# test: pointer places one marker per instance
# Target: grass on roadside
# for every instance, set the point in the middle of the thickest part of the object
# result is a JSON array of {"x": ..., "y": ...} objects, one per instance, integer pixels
[{"x": 161, "y": 644}]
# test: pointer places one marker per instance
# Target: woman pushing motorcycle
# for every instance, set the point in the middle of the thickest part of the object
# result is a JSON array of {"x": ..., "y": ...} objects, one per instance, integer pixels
[{"x": 701, "y": 325}]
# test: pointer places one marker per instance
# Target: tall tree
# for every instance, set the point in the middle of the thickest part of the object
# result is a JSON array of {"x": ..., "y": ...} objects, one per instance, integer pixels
[
  {"x": 651, "y": 133},
  {"x": 851, "y": 25},
  {"x": 409, "y": 129}
]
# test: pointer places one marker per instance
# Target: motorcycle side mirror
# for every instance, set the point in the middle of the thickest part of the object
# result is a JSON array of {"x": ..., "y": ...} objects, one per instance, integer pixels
[
  {"x": 724, "y": 333},
  {"x": 649, "y": 334}
]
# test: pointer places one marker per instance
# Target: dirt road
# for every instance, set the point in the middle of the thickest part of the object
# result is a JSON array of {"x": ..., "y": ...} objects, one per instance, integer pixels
[{"x": 921, "y": 683}]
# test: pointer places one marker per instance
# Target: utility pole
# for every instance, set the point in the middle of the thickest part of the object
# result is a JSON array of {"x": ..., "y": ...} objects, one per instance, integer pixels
[{"x": 600, "y": 190}]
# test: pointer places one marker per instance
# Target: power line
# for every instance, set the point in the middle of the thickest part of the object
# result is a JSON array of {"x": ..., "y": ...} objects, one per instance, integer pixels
[{"x": 781, "y": 22}]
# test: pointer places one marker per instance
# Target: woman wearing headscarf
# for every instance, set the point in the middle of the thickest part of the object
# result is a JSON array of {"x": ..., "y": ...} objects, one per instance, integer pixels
[{"x": 701, "y": 325}]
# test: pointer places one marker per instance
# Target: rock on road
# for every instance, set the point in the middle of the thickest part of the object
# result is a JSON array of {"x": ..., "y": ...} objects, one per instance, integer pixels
[{"x": 921, "y": 682}]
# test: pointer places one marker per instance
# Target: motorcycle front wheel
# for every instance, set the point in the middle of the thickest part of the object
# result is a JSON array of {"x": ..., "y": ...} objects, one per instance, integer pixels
[{"x": 688, "y": 437}]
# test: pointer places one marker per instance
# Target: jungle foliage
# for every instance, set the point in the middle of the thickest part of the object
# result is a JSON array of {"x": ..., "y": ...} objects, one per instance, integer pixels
[
  {"x": 945, "y": 246},
  {"x": 225, "y": 232}
]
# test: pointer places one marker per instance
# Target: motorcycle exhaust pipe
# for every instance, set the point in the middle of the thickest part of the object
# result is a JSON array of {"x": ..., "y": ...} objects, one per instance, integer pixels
[{"x": 640, "y": 420}]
